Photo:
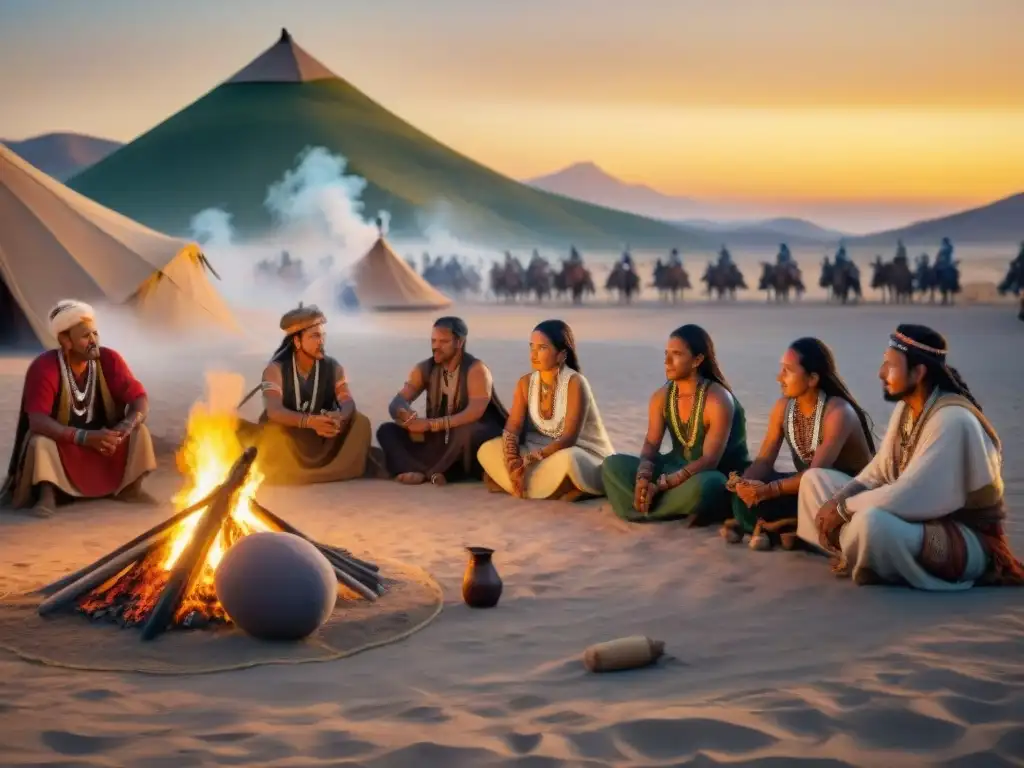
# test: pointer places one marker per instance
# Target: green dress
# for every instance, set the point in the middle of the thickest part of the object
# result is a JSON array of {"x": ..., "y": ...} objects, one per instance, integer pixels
[{"x": 703, "y": 498}]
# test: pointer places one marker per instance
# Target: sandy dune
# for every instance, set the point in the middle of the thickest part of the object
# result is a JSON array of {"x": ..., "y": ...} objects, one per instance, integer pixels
[{"x": 772, "y": 662}]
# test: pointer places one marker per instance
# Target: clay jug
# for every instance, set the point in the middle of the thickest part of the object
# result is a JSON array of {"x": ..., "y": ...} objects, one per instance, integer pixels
[{"x": 481, "y": 584}]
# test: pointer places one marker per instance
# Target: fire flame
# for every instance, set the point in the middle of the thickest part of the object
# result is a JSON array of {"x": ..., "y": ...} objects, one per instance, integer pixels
[{"x": 210, "y": 450}]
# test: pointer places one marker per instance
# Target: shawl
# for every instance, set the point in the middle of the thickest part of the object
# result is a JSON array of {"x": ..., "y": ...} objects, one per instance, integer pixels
[{"x": 952, "y": 475}]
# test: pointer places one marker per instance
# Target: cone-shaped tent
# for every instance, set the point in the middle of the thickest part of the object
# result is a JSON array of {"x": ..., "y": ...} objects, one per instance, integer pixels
[
  {"x": 382, "y": 281},
  {"x": 57, "y": 244},
  {"x": 226, "y": 148}
]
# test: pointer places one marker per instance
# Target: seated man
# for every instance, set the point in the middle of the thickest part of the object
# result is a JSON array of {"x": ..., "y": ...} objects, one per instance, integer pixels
[
  {"x": 309, "y": 431},
  {"x": 463, "y": 412},
  {"x": 928, "y": 510},
  {"x": 80, "y": 432}
]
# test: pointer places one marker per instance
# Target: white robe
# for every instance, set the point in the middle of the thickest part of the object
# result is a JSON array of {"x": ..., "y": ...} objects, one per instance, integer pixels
[
  {"x": 954, "y": 460},
  {"x": 580, "y": 463}
]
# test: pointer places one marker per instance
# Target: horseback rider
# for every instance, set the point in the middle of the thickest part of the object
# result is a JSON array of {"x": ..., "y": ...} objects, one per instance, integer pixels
[
  {"x": 944, "y": 258},
  {"x": 841, "y": 257},
  {"x": 626, "y": 262},
  {"x": 676, "y": 260},
  {"x": 784, "y": 257},
  {"x": 724, "y": 257},
  {"x": 574, "y": 255},
  {"x": 901, "y": 251}
]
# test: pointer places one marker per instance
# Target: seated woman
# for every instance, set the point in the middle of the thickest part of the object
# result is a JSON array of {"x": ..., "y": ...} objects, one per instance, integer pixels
[
  {"x": 709, "y": 439},
  {"x": 559, "y": 453},
  {"x": 823, "y": 426}
]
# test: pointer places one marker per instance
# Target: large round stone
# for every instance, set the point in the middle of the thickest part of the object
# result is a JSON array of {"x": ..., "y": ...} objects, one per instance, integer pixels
[{"x": 276, "y": 586}]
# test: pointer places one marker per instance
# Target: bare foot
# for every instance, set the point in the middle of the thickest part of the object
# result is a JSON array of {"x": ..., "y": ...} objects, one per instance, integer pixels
[
  {"x": 438, "y": 479},
  {"x": 133, "y": 494},
  {"x": 46, "y": 506},
  {"x": 731, "y": 532},
  {"x": 411, "y": 478},
  {"x": 491, "y": 485}
]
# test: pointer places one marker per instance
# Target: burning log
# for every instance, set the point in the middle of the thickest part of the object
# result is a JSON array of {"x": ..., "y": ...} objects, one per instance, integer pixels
[
  {"x": 353, "y": 568},
  {"x": 192, "y": 559},
  {"x": 164, "y": 527},
  {"x": 163, "y": 577}
]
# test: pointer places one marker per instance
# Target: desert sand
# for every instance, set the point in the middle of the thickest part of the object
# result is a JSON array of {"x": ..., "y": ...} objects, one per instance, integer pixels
[{"x": 771, "y": 660}]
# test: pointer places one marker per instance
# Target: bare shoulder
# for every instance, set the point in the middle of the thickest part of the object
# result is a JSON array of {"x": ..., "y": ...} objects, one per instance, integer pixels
[
  {"x": 272, "y": 372},
  {"x": 720, "y": 397},
  {"x": 660, "y": 396},
  {"x": 779, "y": 409},
  {"x": 840, "y": 408}
]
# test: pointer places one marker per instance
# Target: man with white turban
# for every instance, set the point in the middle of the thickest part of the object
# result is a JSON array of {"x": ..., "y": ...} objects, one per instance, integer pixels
[{"x": 80, "y": 430}]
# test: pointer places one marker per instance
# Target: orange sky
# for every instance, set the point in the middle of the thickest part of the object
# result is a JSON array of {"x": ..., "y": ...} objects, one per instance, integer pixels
[{"x": 890, "y": 100}]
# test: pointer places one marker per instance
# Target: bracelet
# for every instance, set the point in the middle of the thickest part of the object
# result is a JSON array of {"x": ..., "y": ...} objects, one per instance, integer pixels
[
  {"x": 80, "y": 436},
  {"x": 303, "y": 421},
  {"x": 841, "y": 509},
  {"x": 684, "y": 474}
]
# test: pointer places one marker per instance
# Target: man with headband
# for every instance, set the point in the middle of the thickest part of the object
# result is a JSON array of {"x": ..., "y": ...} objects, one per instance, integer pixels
[
  {"x": 80, "y": 432},
  {"x": 462, "y": 413},
  {"x": 309, "y": 431},
  {"x": 928, "y": 510}
]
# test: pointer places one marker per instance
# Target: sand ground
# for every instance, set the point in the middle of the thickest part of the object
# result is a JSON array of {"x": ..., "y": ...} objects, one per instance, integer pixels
[{"x": 772, "y": 660}]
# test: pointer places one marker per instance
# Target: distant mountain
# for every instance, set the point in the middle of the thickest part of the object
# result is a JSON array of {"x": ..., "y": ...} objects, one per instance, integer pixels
[
  {"x": 62, "y": 155},
  {"x": 998, "y": 222},
  {"x": 592, "y": 184},
  {"x": 589, "y": 182},
  {"x": 793, "y": 231}
]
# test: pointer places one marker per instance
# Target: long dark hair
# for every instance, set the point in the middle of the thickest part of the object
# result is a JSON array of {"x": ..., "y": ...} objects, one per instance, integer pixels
[
  {"x": 286, "y": 348},
  {"x": 699, "y": 342},
  {"x": 816, "y": 357},
  {"x": 560, "y": 335},
  {"x": 938, "y": 372}
]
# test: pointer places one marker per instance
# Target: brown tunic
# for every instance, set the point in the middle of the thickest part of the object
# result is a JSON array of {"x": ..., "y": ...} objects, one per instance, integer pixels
[{"x": 456, "y": 459}]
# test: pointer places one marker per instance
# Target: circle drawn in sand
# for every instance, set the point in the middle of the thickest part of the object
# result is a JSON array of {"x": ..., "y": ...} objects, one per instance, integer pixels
[{"x": 72, "y": 641}]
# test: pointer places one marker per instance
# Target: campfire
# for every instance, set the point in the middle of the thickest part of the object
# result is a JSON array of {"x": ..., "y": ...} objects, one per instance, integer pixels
[{"x": 165, "y": 577}]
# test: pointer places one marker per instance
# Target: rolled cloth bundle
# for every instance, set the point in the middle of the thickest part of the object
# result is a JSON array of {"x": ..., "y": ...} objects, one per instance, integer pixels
[{"x": 623, "y": 653}]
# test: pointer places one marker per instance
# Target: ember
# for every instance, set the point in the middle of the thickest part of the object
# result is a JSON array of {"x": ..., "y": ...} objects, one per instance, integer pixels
[{"x": 165, "y": 577}]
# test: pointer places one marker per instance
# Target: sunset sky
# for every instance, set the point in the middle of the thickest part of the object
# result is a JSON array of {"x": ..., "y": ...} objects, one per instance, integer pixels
[{"x": 912, "y": 103}]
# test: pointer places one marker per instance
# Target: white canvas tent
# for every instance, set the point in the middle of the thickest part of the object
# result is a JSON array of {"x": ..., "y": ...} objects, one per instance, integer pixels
[
  {"x": 57, "y": 244},
  {"x": 382, "y": 281}
]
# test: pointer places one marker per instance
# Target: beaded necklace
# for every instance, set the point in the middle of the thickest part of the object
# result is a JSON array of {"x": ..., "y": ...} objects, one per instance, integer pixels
[
  {"x": 910, "y": 431},
  {"x": 299, "y": 405},
  {"x": 686, "y": 433},
  {"x": 83, "y": 401},
  {"x": 798, "y": 439},
  {"x": 550, "y": 427}
]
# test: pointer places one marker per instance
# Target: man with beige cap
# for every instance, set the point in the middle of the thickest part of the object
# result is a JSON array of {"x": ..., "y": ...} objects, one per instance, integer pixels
[{"x": 309, "y": 431}]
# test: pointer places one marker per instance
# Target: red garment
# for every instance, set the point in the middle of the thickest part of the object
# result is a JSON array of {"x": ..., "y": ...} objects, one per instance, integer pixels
[{"x": 92, "y": 473}]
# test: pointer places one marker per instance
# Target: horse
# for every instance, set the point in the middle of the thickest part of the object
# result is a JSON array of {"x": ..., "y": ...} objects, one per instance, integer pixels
[
  {"x": 670, "y": 278},
  {"x": 625, "y": 281},
  {"x": 538, "y": 278},
  {"x": 724, "y": 279},
  {"x": 840, "y": 279},
  {"x": 780, "y": 279}
]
